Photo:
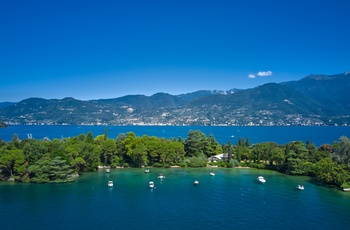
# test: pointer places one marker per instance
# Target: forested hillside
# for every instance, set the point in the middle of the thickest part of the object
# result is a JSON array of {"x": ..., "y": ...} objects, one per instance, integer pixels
[{"x": 313, "y": 100}]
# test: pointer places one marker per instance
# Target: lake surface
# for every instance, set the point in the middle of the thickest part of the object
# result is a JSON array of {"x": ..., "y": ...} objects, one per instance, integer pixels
[
  {"x": 316, "y": 134},
  {"x": 232, "y": 199}
]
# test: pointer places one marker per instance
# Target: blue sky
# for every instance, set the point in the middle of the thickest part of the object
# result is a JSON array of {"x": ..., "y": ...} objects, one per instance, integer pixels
[{"x": 107, "y": 49}]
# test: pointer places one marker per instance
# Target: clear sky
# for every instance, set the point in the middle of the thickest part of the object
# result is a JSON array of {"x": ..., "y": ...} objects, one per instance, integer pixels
[{"x": 107, "y": 49}]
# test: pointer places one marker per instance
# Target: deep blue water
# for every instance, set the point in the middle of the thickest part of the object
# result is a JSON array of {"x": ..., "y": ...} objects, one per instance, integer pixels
[
  {"x": 232, "y": 199},
  {"x": 316, "y": 134}
]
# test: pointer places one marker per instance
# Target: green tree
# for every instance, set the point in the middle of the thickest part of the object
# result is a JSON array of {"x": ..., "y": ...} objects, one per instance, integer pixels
[
  {"x": 35, "y": 149},
  {"x": 91, "y": 154},
  {"x": 139, "y": 155},
  {"x": 89, "y": 138},
  {"x": 12, "y": 163},
  {"x": 129, "y": 143},
  {"x": 243, "y": 142},
  {"x": 106, "y": 133},
  {"x": 341, "y": 152},
  {"x": 120, "y": 147},
  {"x": 197, "y": 161},
  {"x": 229, "y": 151},
  {"x": 81, "y": 137},
  {"x": 278, "y": 157},
  {"x": 108, "y": 150},
  {"x": 259, "y": 152},
  {"x": 152, "y": 144},
  {"x": 39, "y": 172},
  {"x": 57, "y": 148},
  {"x": 15, "y": 142},
  {"x": 329, "y": 172},
  {"x": 2, "y": 143},
  {"x": 296, "y": 160},
  {"x": 324, "y": 151},
  {"x": 214, "y": 147},
  {"x": 50, "y": 170},
  {"x": 196, "y": 143},
  {"x": 177, "y": 150},
  {"x": 162, "y": 151},
  {"x": 79, "y": 164}
]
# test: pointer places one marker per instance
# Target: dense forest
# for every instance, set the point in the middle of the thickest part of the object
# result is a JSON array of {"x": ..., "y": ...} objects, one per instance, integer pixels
[{"x": 60, "y": 160}]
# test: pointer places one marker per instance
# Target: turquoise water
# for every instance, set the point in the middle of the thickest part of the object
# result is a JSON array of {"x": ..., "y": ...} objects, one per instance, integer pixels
[
  {"x": 232, "y": 199},
  {"x": 281, "y": 135}
]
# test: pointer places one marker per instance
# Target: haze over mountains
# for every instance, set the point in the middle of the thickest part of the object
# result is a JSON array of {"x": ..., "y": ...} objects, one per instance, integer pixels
[{"x": 313, "y": 100}]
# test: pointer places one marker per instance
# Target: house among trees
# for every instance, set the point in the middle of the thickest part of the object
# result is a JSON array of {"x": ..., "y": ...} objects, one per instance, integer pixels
[{"x": 219, "y": 157}]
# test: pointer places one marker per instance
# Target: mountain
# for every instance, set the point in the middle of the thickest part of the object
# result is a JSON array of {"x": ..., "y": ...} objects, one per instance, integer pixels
[
  {"x": 332, "y": 91},
  {"x": 202, "y": 93},
  {"x": 5, "y": 104},
  {"x": 270, "y": 96},
  {"x": 313, "y": 100}
]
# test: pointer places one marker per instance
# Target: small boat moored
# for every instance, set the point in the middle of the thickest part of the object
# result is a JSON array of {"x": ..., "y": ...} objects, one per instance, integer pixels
[
  {"x": 161, "y": 176},
  {"x": 108, "y": 170},
  {"x": 212, "y": 174},
  {"x": 151, "y": 184},
  {"x": 146, "y": 170},
  {"x": 346, "y": 189},
  {"x": 110, "y": 183},
  {"x": 261, "y": 179},
  {"x": 196, "y": 182},
  {"x": 300, "y": 187}
]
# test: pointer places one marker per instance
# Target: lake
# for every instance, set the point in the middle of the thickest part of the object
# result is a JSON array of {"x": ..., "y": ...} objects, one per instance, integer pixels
[
  {"x": 280, "y": 134},
  {"x": 232, "y": 199}
]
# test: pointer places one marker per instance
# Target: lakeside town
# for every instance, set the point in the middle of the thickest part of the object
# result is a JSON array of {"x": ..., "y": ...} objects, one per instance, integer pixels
[{"x": 183, "y": 117}]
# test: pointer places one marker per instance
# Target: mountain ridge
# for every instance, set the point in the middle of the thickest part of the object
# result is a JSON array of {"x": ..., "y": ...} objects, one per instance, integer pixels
[{"x": 313, "y": 100}]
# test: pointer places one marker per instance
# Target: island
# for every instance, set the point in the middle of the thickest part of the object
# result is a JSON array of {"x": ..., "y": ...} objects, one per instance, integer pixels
[{"x": 61, "y": 160}]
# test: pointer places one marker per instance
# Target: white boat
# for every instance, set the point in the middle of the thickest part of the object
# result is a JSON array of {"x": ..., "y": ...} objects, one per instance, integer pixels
[
  {"x": 212, "y": 174},
  {"x": 261, "y": 179},
  {"x": 110, "y": 183},
  {"x": 346, "y": 189},
  {"x": 108, "y": 170},
  {"x": 161, "y": 176},
  {"x": 151, "y": 184},
  {"x": 300, "y": 187},
  {"x": 196, "y": 182},
  {"x": 146, "y": 170}
]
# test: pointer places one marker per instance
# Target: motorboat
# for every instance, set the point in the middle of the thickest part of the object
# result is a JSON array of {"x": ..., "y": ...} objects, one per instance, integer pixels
[
  {"x": 146, "y": 170},
  {"x": 261, "y": 179},
  {"x": 151, "y": 184},
  {"x": 110, "y": 183},
  {"x": 346, "y": 189},
  {"x": 300, "y": 187},
  {"x": 108, "y": 170},
  {"x": 212, "y": 174},
  {"x": 161, "y": 176},
  {"x": 196, "y": 182}
]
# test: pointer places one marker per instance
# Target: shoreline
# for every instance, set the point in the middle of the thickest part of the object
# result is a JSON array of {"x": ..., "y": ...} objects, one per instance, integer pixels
[{"x": 101, "y": 167}]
